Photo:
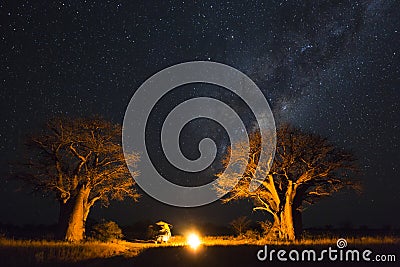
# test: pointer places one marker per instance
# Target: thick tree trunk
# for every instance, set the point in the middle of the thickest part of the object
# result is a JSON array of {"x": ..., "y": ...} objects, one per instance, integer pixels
[
  {"x": 286, "y": 225},
  {"x": 297, "y": 212},
  {"x": 298, "y": 222},
  {"x": 72, "y": 216}
]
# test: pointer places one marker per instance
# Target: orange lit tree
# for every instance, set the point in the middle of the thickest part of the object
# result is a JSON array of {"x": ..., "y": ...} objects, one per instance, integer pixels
[
  {"x": 79, "y": 162},
  {"x": 306, "y": 168}
]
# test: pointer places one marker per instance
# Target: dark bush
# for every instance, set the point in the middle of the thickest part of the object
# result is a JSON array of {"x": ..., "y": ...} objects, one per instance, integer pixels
[{"x": 106, "y": 231}]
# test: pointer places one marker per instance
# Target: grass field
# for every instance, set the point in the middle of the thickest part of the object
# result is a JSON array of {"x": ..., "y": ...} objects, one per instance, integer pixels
[
  {"x": 26, "y": 252},
  {"x": 52, "y": 253}
]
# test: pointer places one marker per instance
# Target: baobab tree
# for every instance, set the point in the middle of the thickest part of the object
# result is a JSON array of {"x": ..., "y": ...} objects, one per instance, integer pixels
[
  {"x": 79, "y": 162},
  {"x": 306, "y": 168}
]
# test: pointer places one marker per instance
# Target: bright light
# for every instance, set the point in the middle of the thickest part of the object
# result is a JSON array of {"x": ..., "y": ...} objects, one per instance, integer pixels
[{"x": 193, "y": 240}]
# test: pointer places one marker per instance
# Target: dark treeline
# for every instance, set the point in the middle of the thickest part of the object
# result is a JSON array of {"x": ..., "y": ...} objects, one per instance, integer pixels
[{"x": 138, "y": 230}]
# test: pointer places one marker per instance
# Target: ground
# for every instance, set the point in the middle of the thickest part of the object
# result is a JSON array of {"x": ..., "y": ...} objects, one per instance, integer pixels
[{"x": 214, "y": 251}]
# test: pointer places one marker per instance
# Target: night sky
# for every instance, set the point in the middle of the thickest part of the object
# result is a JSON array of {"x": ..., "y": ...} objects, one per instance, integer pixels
[{"x": 331, "y": 69}]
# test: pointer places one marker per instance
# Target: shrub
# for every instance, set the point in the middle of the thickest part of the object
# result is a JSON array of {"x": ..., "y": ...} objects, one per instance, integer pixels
[
  {"x": 251, "y": 235},
  {"x": 106, "y": 231},
  {"x": 151, "y": 233},
  {"x": 268, "y": 231}
]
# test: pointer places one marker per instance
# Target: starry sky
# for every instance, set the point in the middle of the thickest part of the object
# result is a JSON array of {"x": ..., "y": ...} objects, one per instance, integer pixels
[{"x": 328, "y": 68}]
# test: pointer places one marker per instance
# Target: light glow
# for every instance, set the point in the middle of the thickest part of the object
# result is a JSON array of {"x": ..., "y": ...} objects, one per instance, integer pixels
[{"x": 193, "y": 240}]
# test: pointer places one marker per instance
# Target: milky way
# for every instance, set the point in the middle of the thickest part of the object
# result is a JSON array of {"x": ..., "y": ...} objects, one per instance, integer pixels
[{"x": 329, "y": 68}]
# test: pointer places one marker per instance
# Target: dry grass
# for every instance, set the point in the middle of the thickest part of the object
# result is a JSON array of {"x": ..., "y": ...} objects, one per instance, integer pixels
[
  {"x": 27, "y": 252},
  {"x": 367, "y": 240},
  {"x": 235, "y": 241}
]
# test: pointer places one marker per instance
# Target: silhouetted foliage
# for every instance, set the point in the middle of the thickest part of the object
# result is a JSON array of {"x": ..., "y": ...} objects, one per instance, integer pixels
[
  {"x": 240, "y": 225},
  {"x": 106, "y": 231}
]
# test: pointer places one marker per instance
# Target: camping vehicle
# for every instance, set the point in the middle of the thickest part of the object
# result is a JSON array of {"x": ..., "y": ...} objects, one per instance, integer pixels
[{"x": 163, "y": 232}]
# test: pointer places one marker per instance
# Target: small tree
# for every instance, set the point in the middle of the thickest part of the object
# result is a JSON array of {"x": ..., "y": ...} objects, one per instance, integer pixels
[
  {"x": 107, "y": 231},
  {"x": 306, "y": 168},
  {"x": 266, "y": 227},
  {"x": 240, "y": 225},
  {"x": 79, "y": 162}
]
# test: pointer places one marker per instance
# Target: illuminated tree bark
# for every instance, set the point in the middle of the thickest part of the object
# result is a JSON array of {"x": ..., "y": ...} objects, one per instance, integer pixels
[
  {"x": 74, "y": 216},
  {"x": 287, "y": 227}
]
